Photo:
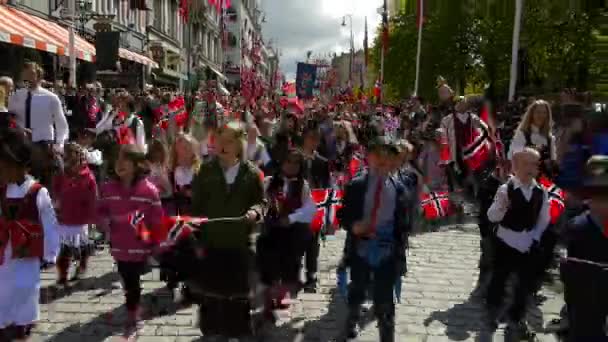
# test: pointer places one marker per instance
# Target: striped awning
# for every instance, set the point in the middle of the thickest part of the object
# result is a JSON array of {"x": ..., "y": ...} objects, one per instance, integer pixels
[
  {"x": 20, "y": 28},
  {"x": 15, "y": 31},
  {"x": 137, "y": 58}
]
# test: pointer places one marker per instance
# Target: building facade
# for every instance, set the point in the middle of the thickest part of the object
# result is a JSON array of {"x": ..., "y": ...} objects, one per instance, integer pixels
[{"x": 245, "y": 51}]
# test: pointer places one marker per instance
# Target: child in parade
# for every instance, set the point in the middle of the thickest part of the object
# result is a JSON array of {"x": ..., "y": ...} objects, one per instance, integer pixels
[
  {"x": 521, "y": 210},
  {"x": 75, "y": 197},
  {"x": 228, "y": 187},
  {"x": 94, "y": 157},
  {"x": 256, "y": 150},
  {"x": 316, "y": 173},
  {"x": 124, "y": 205},
  {"x": 286, "y": 231},
  {"x": 346, "y": 143},
  {"x": 24, "y": 203},
  {"x": 209, "y": 142},
  {"x": 373, "y": 214},
  {"x": 185, "y": 165},
  {"x": 159, "y": 173}
]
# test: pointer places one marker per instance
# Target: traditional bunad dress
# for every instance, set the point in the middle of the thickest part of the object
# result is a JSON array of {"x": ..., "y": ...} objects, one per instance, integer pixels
[{"x": 28, "y": 236}]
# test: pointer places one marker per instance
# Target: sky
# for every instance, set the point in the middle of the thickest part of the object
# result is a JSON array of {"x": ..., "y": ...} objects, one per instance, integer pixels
[{"x": 297, "y": 26}]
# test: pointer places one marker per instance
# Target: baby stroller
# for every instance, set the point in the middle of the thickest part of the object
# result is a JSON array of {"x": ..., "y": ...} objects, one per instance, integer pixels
[{"x": 222, "y": 286}]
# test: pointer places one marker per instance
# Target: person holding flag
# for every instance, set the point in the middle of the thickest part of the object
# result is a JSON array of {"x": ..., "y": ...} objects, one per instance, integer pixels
[
  {"x": 228, "y": 186},
  {"x": 126, "y": 205},
  {"x": 286, "y": 232}
]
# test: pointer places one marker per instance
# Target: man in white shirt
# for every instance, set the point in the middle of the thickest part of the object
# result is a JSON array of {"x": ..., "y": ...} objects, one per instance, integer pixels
[
  {"x": 521, "y": 209},
  {"x": 40, "y": 113}
]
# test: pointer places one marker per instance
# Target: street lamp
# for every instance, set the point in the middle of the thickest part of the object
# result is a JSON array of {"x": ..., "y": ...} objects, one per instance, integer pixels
[{"x": 352, "y": 47}]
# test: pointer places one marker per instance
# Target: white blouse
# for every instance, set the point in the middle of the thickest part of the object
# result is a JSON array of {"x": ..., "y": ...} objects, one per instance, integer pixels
[
  {"x": 183, "y": 176},
  {"x": 519, "y": 142}
]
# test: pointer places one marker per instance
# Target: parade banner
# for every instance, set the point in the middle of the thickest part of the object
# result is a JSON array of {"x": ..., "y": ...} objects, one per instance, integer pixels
[{"x": 305, "y": 80}]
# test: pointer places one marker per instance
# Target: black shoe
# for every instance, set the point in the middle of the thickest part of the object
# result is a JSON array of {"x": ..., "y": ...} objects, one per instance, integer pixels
[
  {"x": 311, "y": 285},
  {"x": 516, "y": 332}
]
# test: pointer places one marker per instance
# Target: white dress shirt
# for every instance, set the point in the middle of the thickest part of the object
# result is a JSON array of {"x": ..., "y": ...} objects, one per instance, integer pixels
[
  {"x": 183, "y": 175},
  {"x": 48, "y": 122},
  {"x": 305, "y": 213},
  {"x": 231, "y": 173},
  {"x": 521, "y": 241},
  {"x": 519, "y": 142}
]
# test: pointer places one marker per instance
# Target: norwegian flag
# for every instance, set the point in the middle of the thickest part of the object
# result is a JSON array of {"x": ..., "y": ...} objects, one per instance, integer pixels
[
  {"x": 328, "y": 201},
  {"x": 557, "y": 198},
  {"x": 174, "y": 229},
  {"x": 479, "y": 150},
  {"x": 436, "y": 205},
  {"x": 136, "y": 220}
]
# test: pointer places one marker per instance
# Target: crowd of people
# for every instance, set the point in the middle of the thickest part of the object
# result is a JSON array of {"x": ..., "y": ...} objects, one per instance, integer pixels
[{"x": 188, "y": 181}]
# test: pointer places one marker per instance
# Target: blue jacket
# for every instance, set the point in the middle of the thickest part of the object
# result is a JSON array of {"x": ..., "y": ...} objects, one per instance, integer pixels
[{"x": 353, "y": 211}]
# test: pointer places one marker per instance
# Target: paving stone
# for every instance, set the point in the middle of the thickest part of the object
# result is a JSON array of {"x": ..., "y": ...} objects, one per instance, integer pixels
[{"x": 435, "y": 301}]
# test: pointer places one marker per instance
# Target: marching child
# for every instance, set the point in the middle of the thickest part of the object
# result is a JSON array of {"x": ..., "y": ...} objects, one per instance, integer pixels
[
  {"x": 126, "y": 204},
  {"x": 185, "y": 164},
  {"x": 25, "y": 204},
  {"x": 75, "y": 196},
  {"x": 159, "y": 172},
  {"x": 373, "y": 214},
  {"x": 521, "y": 210},
  {"x": 316, "y": 172},
  {"x": 286, "y": 231}
]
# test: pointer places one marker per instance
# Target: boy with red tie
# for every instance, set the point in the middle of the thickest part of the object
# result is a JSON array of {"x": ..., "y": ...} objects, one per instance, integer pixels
[{"x": 378, "y": 235}]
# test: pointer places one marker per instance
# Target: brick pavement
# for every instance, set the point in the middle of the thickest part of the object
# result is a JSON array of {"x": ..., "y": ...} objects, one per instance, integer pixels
[{"x": 435, "y": 303}]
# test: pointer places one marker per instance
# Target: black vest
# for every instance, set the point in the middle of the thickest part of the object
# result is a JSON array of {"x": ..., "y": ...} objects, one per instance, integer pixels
[{"x": 522, "y": 214}]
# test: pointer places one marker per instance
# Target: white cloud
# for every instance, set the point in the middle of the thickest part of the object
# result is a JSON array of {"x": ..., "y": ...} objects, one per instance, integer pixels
[{"x": 298, "y": 26}]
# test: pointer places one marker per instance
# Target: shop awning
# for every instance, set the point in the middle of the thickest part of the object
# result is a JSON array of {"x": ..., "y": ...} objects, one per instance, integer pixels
[
  {"x": 20, "y": 28},
  {"x": 137, "y": 58}
]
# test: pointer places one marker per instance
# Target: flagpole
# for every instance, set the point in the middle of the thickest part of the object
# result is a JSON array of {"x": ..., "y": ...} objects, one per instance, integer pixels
[
  {"x": 515, "y": 48},
  {"x": 419, "y": 49}
]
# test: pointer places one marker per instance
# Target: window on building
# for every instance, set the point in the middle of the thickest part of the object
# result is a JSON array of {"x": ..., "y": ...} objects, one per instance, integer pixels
[
  {"x": 173, "y": 20},
  {"x": 158, "y": 14}
]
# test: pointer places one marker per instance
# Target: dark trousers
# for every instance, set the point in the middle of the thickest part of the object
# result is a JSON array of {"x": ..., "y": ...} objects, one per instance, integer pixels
[
  {"x": 130, "y": 273},
  {"x": 279, "y": 253},
  {"x": 544, "y": 256},
  {"x": 507, "y": 261},
  {"x": 67, "y": 254},
  {"x": 587, "y": 301},
  {"x": 382, "y": 279},
  {"x": 312, "y": 257}
]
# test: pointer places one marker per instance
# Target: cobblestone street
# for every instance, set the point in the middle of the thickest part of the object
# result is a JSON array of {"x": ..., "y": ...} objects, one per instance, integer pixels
[{"x": 435, "y": 303}]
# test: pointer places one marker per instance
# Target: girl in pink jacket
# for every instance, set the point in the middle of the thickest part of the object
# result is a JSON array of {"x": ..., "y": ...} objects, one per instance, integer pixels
[{"x": 129, "y": 206}]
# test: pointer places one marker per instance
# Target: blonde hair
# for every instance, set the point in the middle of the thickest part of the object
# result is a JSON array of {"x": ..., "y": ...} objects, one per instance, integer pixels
[
  {"x": 239, "y": 133},
  {"x": 348, "y": 129},
  {"x": 526, "y": 121},
  {"x": 193, "y": 144}
]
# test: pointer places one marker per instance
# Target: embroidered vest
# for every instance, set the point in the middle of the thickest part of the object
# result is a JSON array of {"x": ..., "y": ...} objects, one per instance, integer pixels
[{"x": 20, "y": 225}]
